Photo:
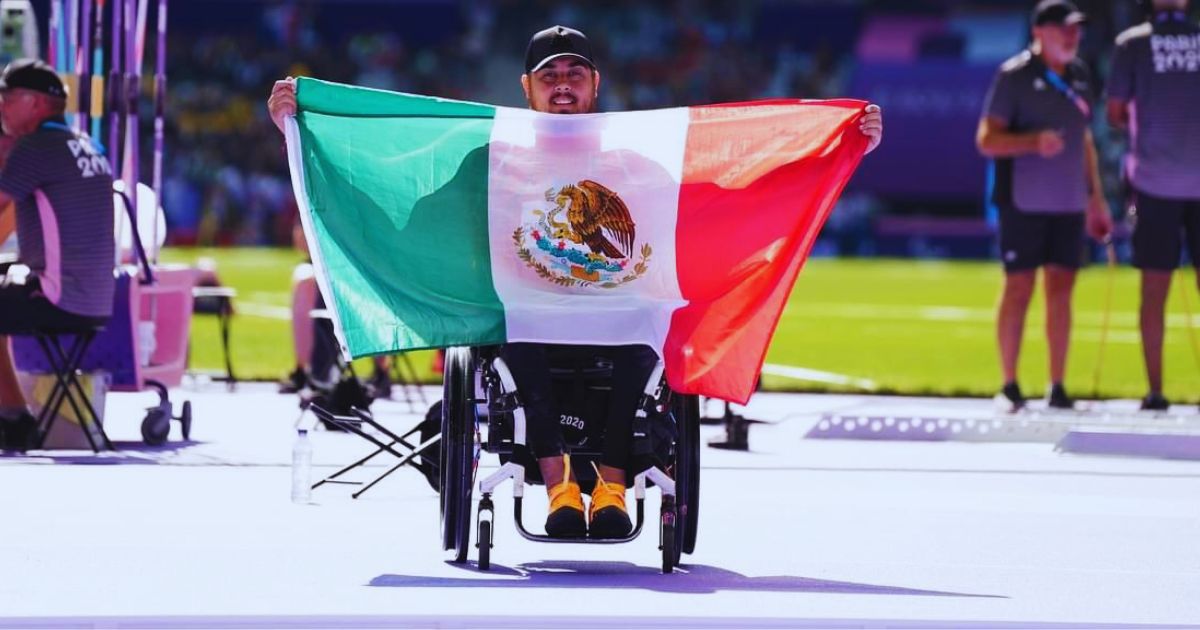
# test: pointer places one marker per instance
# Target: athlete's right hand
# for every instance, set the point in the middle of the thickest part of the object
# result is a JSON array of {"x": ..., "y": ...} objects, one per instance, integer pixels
[
  {"x": 1049, "y": 144},
  {"x": 282, "y": 102}
]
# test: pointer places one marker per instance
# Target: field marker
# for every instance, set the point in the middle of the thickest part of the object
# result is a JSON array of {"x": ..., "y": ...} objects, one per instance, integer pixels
[{"x": 817, "y": 376}]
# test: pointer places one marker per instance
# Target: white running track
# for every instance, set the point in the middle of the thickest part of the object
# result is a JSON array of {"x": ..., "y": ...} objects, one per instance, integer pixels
[{"x": 796, "y": 533}]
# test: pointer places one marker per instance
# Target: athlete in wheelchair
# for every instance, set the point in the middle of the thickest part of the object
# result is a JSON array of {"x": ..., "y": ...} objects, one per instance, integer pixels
[
  {"x": 578, "y": 419},
  {"x": 552, "y": 412}
]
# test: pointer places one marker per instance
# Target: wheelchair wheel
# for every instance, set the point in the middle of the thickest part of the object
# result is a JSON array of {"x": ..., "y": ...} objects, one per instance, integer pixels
[
  {"x": 185, "y": 420},
  {"x": 458, "y": 454},
  {"x": 686, "y": 410},
  {"x": 485, "y": 546}
]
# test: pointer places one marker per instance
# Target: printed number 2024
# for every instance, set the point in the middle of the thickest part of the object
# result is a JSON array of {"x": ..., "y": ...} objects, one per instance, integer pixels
[{"x": 92, "y": 165}]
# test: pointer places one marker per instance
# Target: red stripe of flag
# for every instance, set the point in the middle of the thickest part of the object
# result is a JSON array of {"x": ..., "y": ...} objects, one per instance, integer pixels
[{"x": 759, "y": 181}]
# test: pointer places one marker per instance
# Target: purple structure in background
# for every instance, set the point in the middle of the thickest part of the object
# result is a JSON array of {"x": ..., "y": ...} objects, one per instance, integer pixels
[
  {"x": 1177, "y": 444},
  {"x": 932, "y": 109}
]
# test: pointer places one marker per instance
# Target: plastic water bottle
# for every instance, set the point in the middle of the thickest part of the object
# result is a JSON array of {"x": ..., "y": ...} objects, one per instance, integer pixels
[{"x": 302, "y": 468}]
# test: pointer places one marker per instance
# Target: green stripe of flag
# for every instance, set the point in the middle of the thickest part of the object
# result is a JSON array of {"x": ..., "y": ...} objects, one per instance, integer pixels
[{"x": 397, "y": 186}]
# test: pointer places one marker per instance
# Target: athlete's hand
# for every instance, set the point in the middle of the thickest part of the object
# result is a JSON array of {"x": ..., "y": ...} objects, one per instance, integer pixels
[
  {"x": 1050, "y": 144},
  {"x": 282, "y": 102},
  {"x": 871, "y": 126},
  {"x": 1099, "y": 219}
]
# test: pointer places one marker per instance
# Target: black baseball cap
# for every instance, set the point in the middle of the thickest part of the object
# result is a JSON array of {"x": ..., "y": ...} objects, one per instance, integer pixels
[
  {"x": 35, "y": 75},
  {"x": 1060, "y": 12},
  {"x": 555, "y": 42}
]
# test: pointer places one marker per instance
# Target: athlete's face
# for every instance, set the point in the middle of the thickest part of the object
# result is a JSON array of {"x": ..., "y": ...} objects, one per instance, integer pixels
[
  {"x": 1060, "y": 42},
  {"x": 566, "y": 85}
]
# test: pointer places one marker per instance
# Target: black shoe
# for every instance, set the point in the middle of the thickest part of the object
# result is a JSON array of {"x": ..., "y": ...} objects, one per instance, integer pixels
[
  {"x": 566, "y": 523},
  {"x": 1010, "y": 398},
  {"x": 294, "y": 382},
  {"x": 566, "y": 518},
  {"x": 1058, "y": 398},
  {"x": 21, "y": 433},
  {"x": 610, "y": 522},
  {"x": 1155, "y": 402}
]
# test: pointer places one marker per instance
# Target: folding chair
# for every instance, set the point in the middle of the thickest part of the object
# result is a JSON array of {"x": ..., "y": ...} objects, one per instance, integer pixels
[
  {"x": 64, "y": 351},
  {"x": 429, "y": 435}
]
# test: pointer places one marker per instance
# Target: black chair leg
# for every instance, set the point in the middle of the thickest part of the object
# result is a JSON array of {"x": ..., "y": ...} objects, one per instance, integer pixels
[{"x": 65, "y": 362}]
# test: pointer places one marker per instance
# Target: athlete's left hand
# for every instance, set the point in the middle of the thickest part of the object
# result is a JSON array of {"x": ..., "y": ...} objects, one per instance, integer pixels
[{"x": 871, "y": 126}]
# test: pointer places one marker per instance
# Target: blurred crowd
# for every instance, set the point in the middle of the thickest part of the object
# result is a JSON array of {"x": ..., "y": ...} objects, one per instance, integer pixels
[{"x": 226, "y": 178}]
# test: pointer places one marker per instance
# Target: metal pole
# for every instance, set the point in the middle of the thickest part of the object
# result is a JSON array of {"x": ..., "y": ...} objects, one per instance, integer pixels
[
  {"x": 54, "y": 46},
  {"x": 83, "y": 67},
  {"x": 160, "y": 100},
  {"x": 97, "y": 96},
  {"x": 130, "y": 170},
  {"x": 116, "y": 93}
]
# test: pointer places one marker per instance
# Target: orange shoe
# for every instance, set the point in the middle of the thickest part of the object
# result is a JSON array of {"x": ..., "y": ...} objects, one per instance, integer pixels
[
  {"x": 607, "y": 515},
  {"x": 566, "y": 507}
]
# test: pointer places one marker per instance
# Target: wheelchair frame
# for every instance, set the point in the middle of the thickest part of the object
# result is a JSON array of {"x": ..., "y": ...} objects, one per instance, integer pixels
[{"x": 466, "y": 374}]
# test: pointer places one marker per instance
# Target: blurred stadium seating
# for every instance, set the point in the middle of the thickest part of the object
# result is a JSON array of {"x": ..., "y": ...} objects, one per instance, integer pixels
[{"x": 927, "y": 62}]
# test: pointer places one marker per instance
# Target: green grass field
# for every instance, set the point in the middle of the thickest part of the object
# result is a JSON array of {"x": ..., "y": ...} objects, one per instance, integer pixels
[{"x": 911, "y": 327}]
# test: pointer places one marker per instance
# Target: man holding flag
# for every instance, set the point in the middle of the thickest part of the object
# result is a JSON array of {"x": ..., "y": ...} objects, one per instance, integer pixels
[{"x": 679, "y": 230}]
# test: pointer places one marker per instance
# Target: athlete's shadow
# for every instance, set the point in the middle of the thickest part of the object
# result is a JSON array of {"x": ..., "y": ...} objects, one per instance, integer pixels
[{"x": 693, "y": 578}]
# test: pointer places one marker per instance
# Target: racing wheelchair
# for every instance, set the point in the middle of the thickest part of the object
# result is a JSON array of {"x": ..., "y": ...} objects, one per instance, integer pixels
[{"x": 481, "y": 412}]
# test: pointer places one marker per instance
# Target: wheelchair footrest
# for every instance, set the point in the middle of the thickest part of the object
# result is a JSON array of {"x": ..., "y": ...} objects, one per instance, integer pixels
[{"x": 526, "y": 534}]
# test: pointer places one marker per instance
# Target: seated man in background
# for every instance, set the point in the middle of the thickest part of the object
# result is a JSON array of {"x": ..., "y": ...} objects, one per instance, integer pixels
[
  {"x": 62, "y": 189},
  {"x": 308, "y": 338}
]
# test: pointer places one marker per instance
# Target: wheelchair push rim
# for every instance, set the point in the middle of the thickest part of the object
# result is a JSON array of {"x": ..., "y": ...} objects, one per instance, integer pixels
[{"x": 459, "y": 452}]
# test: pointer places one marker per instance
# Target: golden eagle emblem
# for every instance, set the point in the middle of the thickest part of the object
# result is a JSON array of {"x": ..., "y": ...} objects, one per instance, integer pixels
[
  {"x": 592, "y": 211},
  {"x": 597, "y": 219}
]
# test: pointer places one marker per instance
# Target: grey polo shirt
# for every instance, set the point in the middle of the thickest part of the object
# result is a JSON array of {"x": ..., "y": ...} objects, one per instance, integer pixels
[
  {"x": 1024, "y": 95},
  {"x": 1156, "y": 67},
  {"x": 63, "y": 189}
]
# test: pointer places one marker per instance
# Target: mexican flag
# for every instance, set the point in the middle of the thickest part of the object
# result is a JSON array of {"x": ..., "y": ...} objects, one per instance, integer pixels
[{"x": 436, "y": 223}]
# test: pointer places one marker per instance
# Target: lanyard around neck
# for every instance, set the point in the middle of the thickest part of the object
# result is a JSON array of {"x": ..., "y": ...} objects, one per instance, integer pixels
[
  {"x": 54, "y": 124},
  {"x": 1060, "y": 84}
]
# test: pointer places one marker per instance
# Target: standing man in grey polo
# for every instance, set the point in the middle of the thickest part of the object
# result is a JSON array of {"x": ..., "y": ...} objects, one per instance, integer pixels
[
  {"x": 1154, "y": 87},
  {"x": 1035, "y": 128}
]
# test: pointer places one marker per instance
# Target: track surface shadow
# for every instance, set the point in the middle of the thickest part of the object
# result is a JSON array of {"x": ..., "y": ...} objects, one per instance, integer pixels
[{"x": 694, "y": 578}]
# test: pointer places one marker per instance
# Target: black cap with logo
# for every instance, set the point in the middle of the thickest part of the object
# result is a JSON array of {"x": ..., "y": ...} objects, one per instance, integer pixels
[
  {"x": 34, "y": 75},
  {"x": 554, "y": 42},
  {"x": 1058, "y": 12}
]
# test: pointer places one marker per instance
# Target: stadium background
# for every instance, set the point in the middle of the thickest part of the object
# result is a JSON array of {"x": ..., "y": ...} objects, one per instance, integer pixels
[{"x": 902, "y": 291}]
